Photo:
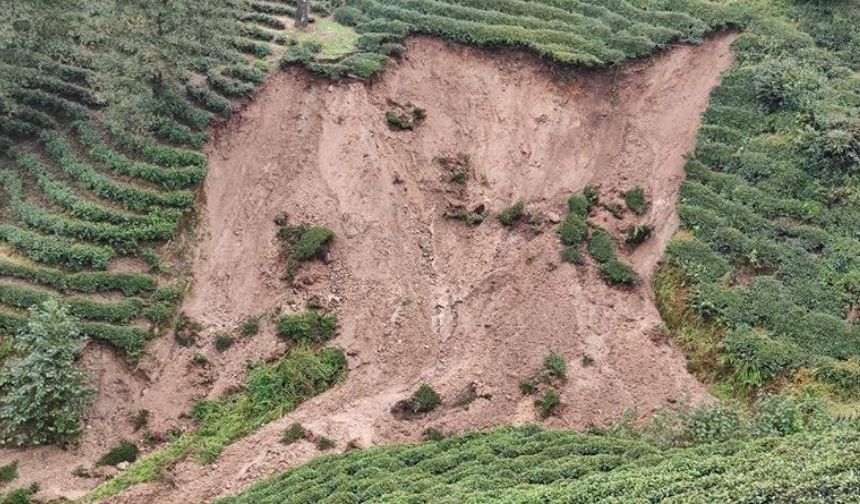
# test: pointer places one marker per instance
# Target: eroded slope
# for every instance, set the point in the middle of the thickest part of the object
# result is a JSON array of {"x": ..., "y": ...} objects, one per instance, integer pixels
[{"x": 422, "y": 298}]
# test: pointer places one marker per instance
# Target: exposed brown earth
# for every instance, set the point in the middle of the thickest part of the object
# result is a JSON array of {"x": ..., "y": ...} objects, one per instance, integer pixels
[{"x": 421, "y": 297}]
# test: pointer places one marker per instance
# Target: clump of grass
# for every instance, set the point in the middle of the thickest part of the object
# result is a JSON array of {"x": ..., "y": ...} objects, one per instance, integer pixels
[
  {"x": 635, "y": 200},
  {"x": 527, "y": 386},
  {"x": 223, "y": 341},
  {"x": 591, "y": 194},
  {"x": 304, "y": 243},
  {"x": 293, "y": 433},
  {"x": 125, "y": 451},
  {"x": 571, "y": 254},
  {"x": 306, "y": 327},
  {"x": 600, "y": 246},
  {"x": 140, "y": 419},
  {"x": 548, "y": 403},
  {"x": 324, "y": 444},
  {"x": 554, "y": 365},
  {"x": 579, "y": 205},
  {"x": 638, "y": 234},
  {"x": 512, "y": 214},
  {"x": 405, "y": 116},
  {"x": 424, "y": 399},
  {"x": 250, "y": 326},
  {"x": 8, "y": 472},
  {"x": 614, "y": 209},
  {"x": 573, "y": 229},
  {"x": 616, "y": 272},
  {"x": 471, "y": 218},
  {"x": 81, "y": 472}
]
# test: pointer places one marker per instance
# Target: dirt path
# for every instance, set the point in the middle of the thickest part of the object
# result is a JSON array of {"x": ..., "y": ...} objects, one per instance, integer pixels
[{"x": 422, "y": 298}]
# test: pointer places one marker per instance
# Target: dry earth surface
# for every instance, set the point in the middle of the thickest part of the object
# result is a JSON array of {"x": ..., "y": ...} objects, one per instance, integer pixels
[{"x": 421, "y": 297}]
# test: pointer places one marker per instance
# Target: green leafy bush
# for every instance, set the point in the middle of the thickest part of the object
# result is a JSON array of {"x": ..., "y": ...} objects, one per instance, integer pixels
[
  {"x": 44, "y": 394},
  {"x": 125, "y": 451},
  {"x": 250, "y": 326},
  {"x": 637, "y": 235},
  {"x": 635, "y": 200},
  {"x": 571, "y": 254},
  {"x": 8, "y": 472},
  {"x": 512, "y": 214},
  {"x": 573, "y": 229},
  {"x": 548, "y": 403},
  {"x": 424, "y": 399},
  {"x": 616, "y": 272},
  {"x": 306, "y": 327},
  {"x": 223, "y": 341},
  {"x": 600, "y": 246}
]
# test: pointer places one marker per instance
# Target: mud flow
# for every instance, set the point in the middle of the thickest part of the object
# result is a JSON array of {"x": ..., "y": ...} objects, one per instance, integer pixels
[{"x": 421, "y": 297}]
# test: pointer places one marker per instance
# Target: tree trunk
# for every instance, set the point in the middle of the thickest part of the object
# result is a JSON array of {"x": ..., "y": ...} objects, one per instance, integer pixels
[{"x": 302, "y": 16}]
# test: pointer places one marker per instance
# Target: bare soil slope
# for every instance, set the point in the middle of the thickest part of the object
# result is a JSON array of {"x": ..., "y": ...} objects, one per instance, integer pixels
[{"x": 423, "y": 298}]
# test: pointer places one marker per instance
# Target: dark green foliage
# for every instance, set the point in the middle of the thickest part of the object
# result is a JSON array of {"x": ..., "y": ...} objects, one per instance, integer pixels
[
  {"x": 311, "y": 244},
  {"x": 638, "y": 234},
  {"x": 433, "y": 434},
  {"x": 548, "y": 403},
  {"x": 399, "y": 121},
  {"x": 306, "y": 327},
  {"x": 635, "y": 200},
  {"x": 21, "y": 495},
  {"x": 573, "y": 229},
  {"x": 364, "y": 65},
  {"x": 125, "y": 451},
  {"x": 527, "y": 386},
  {"x": 45, "y": 396},
  {"x": 250, "y": 326},
  {"x": 324, "y": 443},
  {"x": 302, "y": 52},
  {"x": 600, "y": 246},
  {"x": 579, "y": 205},
  {"x": 571, "y": 254},
  {"x": 223, "y": 341},
  {"x": 293, "y": 433},
  {"x": 512, "y": 214},
  {"x": 424, "y": 399},
  {"x": 554, "y": 365},
  {"x": 8, "y": 472},
  {"x": 616, "y": 272}
]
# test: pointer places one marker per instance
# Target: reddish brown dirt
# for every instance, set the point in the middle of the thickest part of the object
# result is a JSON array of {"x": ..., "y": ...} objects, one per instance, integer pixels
[{"x": 420, "y": 297}]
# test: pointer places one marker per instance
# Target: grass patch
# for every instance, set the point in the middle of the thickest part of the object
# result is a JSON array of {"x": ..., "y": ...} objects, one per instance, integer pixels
[
  {"x": 306, "y": 327},
  {"x": 292, "y": 433},
  {"x": 635, "y": 200},
  {"x": 512, "y": 214},
  {"x": 125, "y": 451}
]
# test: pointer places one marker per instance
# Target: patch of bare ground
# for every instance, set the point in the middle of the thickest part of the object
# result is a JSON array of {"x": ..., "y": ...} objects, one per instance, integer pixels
[{"x": 421, "y": 297}]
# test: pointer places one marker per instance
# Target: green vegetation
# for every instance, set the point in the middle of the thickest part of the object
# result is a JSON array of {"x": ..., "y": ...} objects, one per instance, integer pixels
[
  {"x": 548, "y": 403},
  {"x": 512, "y": 214},
  {"x": 781, "y": 450},
  {"x": 44, "y": 395},
  {"x": 293, "y": 433},
  {"x": 125, "y": 451},
  {"x": 600, "y": 246},
  {"x": 250, "y": 326},
  {"x": 304, "y": 243},
  {"x": 307, "y": 327},
  {"x": 616, "y": 272},
  {"x": 554, "y": 365},
  {"x": 635, "y": 200},
  {"x": 637, "y": 235},
  {"x": 424, "y": 399},
  {"x": 324, "y": 443},
  {"x": 8, "y": 472},
  {"x": 405, "y": 116},
  {"x": 272, "y": 390},
  {"x": 223, "y": 341}
]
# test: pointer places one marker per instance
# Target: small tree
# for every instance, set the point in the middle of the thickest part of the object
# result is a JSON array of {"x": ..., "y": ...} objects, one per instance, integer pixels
[{"x": 43, "y": 396}]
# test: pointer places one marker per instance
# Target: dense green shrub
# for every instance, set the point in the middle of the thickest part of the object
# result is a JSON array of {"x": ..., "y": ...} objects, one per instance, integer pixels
[
  {"x": 8, "y": 472},
  {"x": 250, "y": 326},
  {"x": 573, "y": 229},
  {"x": 125, "y": 451},
  {"x": 364, "y": 65},
  {"x": 635, "y": 200},
  {"x": 571, "y": 254},
  {"x": 554, "y": 365},
  {"x": 600, "y": 246},
  {"x": 512, "y": 214},
  {"x": 306, "y": 327},
  {"x": 548, "y": 403},
  {"x": 616, "y": 272},
  {"x": 44, "y": 394},
  {"x": 424, "y": 399},
  {"x": 223, "y": 341}
]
